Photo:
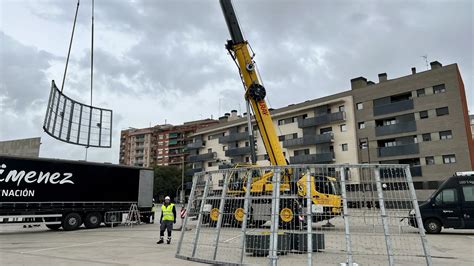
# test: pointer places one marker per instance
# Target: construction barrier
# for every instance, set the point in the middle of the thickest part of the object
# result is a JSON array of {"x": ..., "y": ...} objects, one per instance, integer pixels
[{"x": 304, "y": 214}]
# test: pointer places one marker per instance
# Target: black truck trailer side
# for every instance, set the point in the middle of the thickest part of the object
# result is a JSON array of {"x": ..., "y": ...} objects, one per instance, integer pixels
[{"x": 64, "y": 193}]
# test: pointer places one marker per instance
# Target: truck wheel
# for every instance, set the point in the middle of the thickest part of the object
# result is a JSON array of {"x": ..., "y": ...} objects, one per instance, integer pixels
[
  {"x": 53, "y": 227},
  {"x": 432, "y": 226},
  {"x": 71, "y": 221},
  {"x": 93, "y": 220}
]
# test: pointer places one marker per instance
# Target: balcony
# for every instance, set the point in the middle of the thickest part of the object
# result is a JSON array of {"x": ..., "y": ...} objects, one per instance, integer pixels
[
  {"x": 403, "y": 127},
  {"x": 234, "y": 137},
  {"x": 405, "y": 149},
  {"x": 225, "y": 166},
  {"x": 193, "y": 171},
  {"x": 393, "y": 107},
  {"x": 308, "y": 140},
  {"x": 174, "y": 142},
  {"x": 195, "y": 145},
  {"x": 312, "y": 158},
  {"x": 322, "y": 119},
  {"x": 173, "y": 135},
  {"x": 202, "y": 157},
  {"x": 237, "y": 151}
]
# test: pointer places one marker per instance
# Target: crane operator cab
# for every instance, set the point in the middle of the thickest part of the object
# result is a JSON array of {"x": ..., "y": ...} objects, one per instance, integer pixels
[{"x": 451, "y": 206}]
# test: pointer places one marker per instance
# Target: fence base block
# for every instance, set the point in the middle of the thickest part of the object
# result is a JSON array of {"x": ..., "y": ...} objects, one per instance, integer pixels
[
  {"x": 299, "y": 241},
  {"x": 259, "y": 243}
]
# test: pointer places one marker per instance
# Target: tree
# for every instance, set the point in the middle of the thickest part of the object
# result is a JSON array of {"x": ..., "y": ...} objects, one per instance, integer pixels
[{"x": 167, "y": 181}]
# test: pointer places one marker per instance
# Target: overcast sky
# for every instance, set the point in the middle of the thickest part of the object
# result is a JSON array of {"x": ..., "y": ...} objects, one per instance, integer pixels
[{"x": 158, "y": 61}]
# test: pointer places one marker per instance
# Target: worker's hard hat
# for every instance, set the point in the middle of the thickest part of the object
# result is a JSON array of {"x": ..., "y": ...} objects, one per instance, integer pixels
[{"x": 167, "y": 198}]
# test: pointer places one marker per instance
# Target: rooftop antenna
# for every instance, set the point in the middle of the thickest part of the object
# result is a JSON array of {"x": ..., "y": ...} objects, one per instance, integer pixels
[{"x": 426, "y": 61}]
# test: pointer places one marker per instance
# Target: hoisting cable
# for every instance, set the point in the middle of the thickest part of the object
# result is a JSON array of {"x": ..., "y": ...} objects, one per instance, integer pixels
[
  {"x": 92, "y": 72},
  {"x": 92, "y": 50},
  {"x": 70, "y": 45}
]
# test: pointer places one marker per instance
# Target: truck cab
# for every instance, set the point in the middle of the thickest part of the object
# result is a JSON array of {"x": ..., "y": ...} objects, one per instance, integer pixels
[{"x": 451, "y": 206}]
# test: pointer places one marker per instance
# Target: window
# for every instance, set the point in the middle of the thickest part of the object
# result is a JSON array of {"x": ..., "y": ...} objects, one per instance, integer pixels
[
  {"x": 445, "y": 135},
  {"x": 344, "y": 147},
  {"x": 361, "y": 125},
  {"x": 224, "y": 148},
  {"x": 423, "y": 114},
  {"x": 343, "y": 127},
  {"x": 442, "y": 111},
  {"x": 426, "y": 137},
  {"x": 429, "y": 160},
  {"x": 420, "y": 92},
  {"x": 325, "y": 130},
  {"x": 447, "y": 196},
  {"x": 281, "y": 138},
  {"x": 247, "y": 159},
  {"x": 209, "y": 150},
  {"x": 221, "y": 182},
  {"x": 468, "y": 192},
  {"x": 301, "y": 152},
  {"x": 209, "y": 164},
  {"x": 360, "y": 106},
  {"x": 388, "y": 122},
  {"x": 390, "y": 144},
  {"x": 342, "y": 108},
  {"x": 286, "y": 121},
  {"x": 363, "y": 144},
  {"x": 447, "y": 159},
  {"x": 439, "y": 89},
  {"x": 247, "y": 144}
]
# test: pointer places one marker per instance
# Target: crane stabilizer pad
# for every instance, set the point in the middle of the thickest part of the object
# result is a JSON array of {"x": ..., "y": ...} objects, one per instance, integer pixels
[{"x": 70, "y": 121}]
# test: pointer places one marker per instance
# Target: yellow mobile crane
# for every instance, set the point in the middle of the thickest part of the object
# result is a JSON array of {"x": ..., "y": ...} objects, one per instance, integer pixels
[{"x": 323, "y": 189}]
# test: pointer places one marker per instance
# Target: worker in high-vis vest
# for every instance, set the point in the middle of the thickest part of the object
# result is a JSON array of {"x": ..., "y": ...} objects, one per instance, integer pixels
[{"x": 167, "y": 219}]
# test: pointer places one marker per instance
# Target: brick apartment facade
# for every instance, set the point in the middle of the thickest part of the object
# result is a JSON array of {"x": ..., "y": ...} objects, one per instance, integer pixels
[{"x": 158, "y": 145}]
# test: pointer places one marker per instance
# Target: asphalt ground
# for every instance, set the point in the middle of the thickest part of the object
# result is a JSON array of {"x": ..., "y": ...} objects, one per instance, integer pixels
[{"x": 136, "y": 245}]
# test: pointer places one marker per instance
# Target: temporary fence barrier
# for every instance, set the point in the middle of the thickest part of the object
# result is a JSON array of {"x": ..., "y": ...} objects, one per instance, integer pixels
[{"x": 321, "y": 214}]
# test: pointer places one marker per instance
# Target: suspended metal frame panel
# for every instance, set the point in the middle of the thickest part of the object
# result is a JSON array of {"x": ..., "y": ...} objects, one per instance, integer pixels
[{"x": 73, "y": 122}]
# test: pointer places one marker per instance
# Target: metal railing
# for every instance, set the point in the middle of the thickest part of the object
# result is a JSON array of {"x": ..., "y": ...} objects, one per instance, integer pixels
[
  {"x": 301, "y": 216},
  {"x": 312, "y": 158},
  {"x": 322, "y": 119},
  {"x": 398, "y": 150},
  {"x": 195, "y": 145},
  {"x": 202, "y": 157},
  {"x": 237, "y": 151},
  {"x": 309, "y": 140},
  {"x": 234, "y": 137},
  {"x": 393, "y": 107},
  {"x": 403, "y": 127}
]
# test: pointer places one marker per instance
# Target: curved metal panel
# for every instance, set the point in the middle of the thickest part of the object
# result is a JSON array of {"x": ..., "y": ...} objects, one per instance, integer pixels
[{"x": 76, "y": 123}]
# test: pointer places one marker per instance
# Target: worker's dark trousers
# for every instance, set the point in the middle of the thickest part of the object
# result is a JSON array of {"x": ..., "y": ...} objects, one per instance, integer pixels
[{"x": 166, "y": 225}]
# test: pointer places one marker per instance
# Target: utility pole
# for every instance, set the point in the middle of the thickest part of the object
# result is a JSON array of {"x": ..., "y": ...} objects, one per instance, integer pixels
[{"x": 182, "y": 194}]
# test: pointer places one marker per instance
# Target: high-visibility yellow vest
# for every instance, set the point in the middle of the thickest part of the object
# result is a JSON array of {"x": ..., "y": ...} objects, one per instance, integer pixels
[{"x": 167, "y": 212}]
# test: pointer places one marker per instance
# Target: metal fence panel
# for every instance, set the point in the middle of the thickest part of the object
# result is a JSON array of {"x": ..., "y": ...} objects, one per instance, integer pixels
[{"x": 304, "y": 214}]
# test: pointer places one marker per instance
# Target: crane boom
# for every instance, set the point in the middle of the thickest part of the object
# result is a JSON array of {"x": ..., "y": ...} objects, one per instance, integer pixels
[{"x": 255, "y": 92}]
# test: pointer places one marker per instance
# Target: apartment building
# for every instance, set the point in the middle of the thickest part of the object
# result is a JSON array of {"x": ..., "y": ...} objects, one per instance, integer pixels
[
  {"x": 158, "y": 145},
  {"x": 471, "y": 117},
  {"x": 420, "y": 119},
  {"x": 320, "y": 131}
]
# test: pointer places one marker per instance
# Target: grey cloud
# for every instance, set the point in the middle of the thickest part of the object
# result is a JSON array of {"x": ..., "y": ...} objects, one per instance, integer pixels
[{"x": 22, "y": 67}]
